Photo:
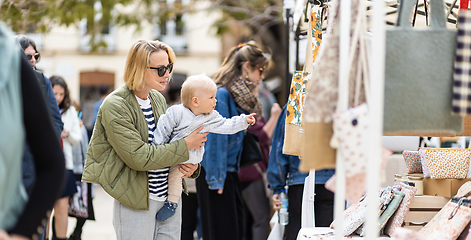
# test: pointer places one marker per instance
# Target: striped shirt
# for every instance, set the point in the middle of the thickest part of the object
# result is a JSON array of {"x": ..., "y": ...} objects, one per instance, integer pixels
[{"x": 158, "y": 179}]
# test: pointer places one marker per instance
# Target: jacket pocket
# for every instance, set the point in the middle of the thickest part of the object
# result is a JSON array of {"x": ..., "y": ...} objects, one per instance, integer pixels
[{"x": 118, "y": 176}]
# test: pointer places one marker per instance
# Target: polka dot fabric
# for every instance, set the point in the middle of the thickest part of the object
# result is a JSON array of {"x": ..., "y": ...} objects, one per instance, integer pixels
[{"x": 448, "y": 163}]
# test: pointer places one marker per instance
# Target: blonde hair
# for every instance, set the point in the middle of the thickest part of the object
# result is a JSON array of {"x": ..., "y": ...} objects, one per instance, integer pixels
[
  {"x": 138, "y": 61},
  {"x": 193, "y": 84}
]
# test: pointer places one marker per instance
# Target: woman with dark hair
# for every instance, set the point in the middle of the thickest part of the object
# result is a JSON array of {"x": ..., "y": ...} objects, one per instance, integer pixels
[
  {"x": 71, "y": 135},
  {"x": 218, "y": 187},
  {"x": 29, "y": 47}
]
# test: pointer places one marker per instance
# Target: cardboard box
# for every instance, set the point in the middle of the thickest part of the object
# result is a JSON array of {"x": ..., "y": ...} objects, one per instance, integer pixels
[{"x": 443, "y": 187}]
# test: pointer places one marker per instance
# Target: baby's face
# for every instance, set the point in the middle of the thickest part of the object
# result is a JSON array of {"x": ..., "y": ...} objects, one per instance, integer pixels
[{"x": 206, "y": 100}]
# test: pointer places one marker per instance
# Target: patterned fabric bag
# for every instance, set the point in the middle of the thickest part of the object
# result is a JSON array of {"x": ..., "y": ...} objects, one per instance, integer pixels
[
  {"x": 453, "y": 221},
  {"x": 397, "y": 219},
  {"x": 423, "y": 162},
  {"x": 350, "y": 137},
  {"x": 413, "y": 163},
  {"x": 294, "y": 110},
  {"x": 322, "y": 97},
  {"x": 461, "y": 103},
  {"x": 445, "y": 163},
  {"x": 294, "y": 133}
]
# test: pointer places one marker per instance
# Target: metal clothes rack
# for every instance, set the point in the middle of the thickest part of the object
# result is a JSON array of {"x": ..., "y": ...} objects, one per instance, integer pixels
[{"x": 377, "y": 61}]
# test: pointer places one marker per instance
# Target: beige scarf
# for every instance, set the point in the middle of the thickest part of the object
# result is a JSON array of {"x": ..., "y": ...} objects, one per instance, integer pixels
[{"x": 242, "y": 92}]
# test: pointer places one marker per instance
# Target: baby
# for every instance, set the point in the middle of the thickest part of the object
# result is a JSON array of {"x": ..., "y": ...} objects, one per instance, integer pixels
[{"x": 198, "y": 96}]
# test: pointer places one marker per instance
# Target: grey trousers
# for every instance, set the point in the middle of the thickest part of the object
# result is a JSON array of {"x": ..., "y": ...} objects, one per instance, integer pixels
[
  {"x": 257, "y": 204},
  {"x": 132, "y": 224}
]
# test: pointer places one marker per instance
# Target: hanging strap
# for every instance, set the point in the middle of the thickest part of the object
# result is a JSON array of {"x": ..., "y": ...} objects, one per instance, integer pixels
[
  {"x": 464, "y": 4},
  {"x": 309, "y": 58}
]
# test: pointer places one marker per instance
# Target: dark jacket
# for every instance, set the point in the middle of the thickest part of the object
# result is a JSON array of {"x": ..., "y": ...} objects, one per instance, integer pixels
[{"x": 28, "y": 170}]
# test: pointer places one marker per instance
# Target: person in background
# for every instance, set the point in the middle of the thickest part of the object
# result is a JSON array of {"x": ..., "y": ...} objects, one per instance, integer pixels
[
  {"x": 257, "y": 205},
  {"x": 121, "y": 156},
  {"x": 103, "y": 91},
  {"x": 29, "y": 48},
  {"x": 80, "y": 204},
  {"x": 22, "y": 118},
  {"x": 283, "y": 170},
  {"x": 218, "y": 187},
  {"x": 71, "y": 135}
]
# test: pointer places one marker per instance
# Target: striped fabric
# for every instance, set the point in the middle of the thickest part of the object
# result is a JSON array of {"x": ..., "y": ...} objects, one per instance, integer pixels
[
  {"x": 158, "y": 179},
  {"x": 462, "y": 77}
]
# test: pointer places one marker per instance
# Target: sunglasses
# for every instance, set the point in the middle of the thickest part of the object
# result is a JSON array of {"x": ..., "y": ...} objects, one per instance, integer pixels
[
  {"x": 261, "y": 70},
  {"x": 29, "y": 56},
  {"x": 162, "y": 69}
]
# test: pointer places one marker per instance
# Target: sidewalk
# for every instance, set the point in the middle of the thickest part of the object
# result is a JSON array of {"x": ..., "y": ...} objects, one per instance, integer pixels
[{"x": 102, "y": 227}]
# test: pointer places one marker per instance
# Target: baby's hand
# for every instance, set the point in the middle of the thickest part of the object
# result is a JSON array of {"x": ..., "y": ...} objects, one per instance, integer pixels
[{"x": 251, "y": 118}]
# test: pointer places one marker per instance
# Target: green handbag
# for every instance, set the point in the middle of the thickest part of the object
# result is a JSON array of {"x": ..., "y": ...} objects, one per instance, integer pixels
[{"x": 419, "y": 76}]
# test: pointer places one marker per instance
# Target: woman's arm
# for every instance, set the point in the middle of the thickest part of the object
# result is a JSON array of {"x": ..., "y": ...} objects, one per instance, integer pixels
[
  {"x": 75, "y": 133},
  {"x": 271, "y": 123}
]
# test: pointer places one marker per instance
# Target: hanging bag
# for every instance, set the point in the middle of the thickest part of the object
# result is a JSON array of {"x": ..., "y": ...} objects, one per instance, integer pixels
[
  {"x": 462, "y": 79},
  {"x": 419, "y": 76},
  {"x": 294, "y": 129}
]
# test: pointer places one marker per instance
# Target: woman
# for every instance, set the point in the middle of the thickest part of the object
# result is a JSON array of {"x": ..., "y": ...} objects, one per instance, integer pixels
[
  {"x": 121, "y": 157},
  {"x": 22, "y": 118},
  {"x": 219, "y": 195},
  {"x": 33, "y": 56},
  {"x": 71, "y": 135}
]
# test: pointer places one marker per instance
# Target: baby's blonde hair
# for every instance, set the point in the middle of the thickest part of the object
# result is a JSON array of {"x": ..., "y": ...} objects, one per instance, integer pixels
[{"x": 193, "y": 84}]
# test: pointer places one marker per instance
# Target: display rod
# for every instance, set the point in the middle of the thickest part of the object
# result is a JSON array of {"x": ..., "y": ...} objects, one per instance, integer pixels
[
  {"x": 376, "y": 68},
  {"x": 344, "y": 50}
]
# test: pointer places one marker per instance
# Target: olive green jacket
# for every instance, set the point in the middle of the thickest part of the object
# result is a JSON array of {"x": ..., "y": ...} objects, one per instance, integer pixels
[{"x": 119, "y": 155}]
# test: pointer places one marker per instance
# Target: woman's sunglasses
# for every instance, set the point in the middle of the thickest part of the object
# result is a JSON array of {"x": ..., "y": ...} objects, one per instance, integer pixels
[
  {"x": 162, "y": 69},
  {"x": 29, "y": 56}
]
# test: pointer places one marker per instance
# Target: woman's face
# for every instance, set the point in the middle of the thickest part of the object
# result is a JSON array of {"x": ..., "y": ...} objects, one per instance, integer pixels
[
  {"x": 255, "y": 74},
  {"x": 30, "y": 51},
  {"x": 59, "y": 92},
  {"x": 151, "y": 77}
]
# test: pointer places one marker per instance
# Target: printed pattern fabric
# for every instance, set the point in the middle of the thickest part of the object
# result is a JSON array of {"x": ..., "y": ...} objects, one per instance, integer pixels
[
  {"x": 316, "y": 23},
  {"x": 397, "y": 219},
  {"x": 350, "y": 128},
  {"x": 447, "y": 163},
  {"x": 413, "y": 163},
  {"x": 405, "y": 233},
  {"x": 454, "y": 220},
  {"x": 461, "y": 103},
  {"x": 296, "y": 98},
  {"x": 423, "y": 161}
]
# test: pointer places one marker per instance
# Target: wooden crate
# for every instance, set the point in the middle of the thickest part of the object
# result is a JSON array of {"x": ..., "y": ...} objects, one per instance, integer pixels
[{"x": 422, "y": 209}]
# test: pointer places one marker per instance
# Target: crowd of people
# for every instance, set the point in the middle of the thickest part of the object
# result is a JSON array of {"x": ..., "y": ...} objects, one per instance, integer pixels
[{"x": 144, "y": 153}]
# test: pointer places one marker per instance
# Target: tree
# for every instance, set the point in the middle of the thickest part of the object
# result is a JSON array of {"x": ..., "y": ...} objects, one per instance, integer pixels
[{"x": 261, "y": 19}]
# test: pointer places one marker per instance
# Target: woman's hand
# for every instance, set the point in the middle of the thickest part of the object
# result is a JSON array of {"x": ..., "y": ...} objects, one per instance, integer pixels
[
  {"x": 187, "y": 169},
  {"x": 196, "y": 140},
  {"x": 64, "y": 134},
  {"x": 276, "y": 202},
  {"x": 275, "y": 110}
]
